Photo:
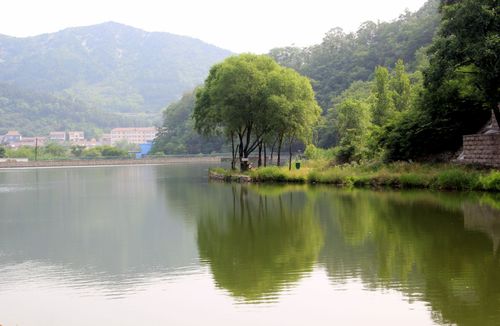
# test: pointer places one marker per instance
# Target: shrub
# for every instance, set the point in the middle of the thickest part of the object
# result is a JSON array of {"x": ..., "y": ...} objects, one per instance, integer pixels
[
  {"x": 314, "y": 153},
  {"x": 456, "y": 179},
  {"x": 270, "y": 173},
  {"x": 491, "y": 182},
  {"x": 412, "y": 180}
]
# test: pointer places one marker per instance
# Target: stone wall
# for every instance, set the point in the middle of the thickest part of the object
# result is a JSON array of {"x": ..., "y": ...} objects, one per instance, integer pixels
[{"x": 482, "y": 149}]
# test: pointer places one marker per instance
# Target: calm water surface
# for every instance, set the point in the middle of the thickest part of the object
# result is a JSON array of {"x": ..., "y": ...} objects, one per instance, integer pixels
[{"x": 160, "y": 245}]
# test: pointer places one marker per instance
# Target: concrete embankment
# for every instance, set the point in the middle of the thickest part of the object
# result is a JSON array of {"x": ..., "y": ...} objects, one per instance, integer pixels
[{"x": 104, "y": 162}]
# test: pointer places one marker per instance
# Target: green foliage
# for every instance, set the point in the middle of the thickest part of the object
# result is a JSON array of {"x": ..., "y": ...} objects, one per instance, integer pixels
[
  {"x": 394, "y": 175},
  {"x": 77, "y": 150},
  {"x": 315, "y": 153},
  {"x": 2, "y": 152},
  {"x": 92, "y": 152},
  {"x": 269, "y": 174},
  {"x": 383, "y": 105},
  {"x": 456, "y": 179},
  {"x": 353, "y": 123},
  {"x": 104, "y": 151},
  {"x": 255, "y": 250},
  {"x": 461, "y": 84},
  {"x": 401, "y": 87},
  {"x": 252, "y": 99},
  {"x": 343, "y": 58},
  {"x": 331, "y": 176},
  {"x": 110, "y": 151},
  {"x": 414, "y": 180},
  {"x": 54, "y": 151},
  {"x": 21, "y": 152},
  {"x": 177, "y": 134},
  {"x": 491, "y": 181},
  {"x": 360, "y": 113},
  {"x": 469, "y": 42}
]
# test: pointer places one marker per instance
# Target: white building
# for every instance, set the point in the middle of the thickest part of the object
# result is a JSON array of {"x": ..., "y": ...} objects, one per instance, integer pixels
[
  {"x": 76, "y": 136},
  {"x": 57, "y": 136},
  {"x": 133, "y": 135}
]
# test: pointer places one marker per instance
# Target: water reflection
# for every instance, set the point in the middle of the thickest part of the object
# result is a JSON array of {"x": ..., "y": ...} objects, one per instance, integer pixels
[
  {"x": 108, "y": 227},
  {"x": 433, "y": 247},
  {"x": 122, "y": 231},
  {"x": 257, "y": 244}
]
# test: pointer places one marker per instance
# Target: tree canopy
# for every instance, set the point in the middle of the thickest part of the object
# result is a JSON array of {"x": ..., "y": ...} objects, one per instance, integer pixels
[
  {"x": 177, "y": 134},
  {"x": 252, "y": 99},
  {"x": 461, "y": 83}
]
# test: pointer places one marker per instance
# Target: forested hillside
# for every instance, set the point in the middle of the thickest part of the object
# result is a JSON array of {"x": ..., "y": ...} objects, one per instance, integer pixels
[
  {"x": 109, "y": 66},
  {"x": 343, "y": 58},
  {"x": 35, "y": 113}
]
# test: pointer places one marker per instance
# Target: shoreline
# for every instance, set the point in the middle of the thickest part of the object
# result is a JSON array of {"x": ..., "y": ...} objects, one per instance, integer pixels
[
  {"x": 111, "y": 162},
  {"x": 443, "y": 178}
]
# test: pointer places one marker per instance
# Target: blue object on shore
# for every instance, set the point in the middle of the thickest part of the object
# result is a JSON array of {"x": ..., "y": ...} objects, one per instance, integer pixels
[{"x": 145, "y": 149}]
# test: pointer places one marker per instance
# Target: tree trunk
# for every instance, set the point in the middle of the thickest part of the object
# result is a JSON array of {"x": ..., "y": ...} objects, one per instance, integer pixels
[
  {"x": 272, "y": 149},
  {"x": 280, "y": 141},
  {"x": 259, "y": 162},
  {"x": 290, "y": 155},
  {"x": 265, "y": 155},
  {"x": 233, "y": 153},
  {"x": 243, "y": 163}
]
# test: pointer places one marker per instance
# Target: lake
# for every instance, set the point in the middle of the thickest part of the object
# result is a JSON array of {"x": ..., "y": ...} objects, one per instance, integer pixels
[{"x": 161, "y": 245}]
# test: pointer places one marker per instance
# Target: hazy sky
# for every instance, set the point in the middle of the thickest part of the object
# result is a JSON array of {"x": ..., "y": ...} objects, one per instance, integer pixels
[{"x": 240, "y": 26}]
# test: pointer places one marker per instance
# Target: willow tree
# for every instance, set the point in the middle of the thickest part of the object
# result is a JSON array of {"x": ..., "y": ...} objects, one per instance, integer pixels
[
  {"x": 292, "y": 96},
  {"x": 248, "y": 97}
]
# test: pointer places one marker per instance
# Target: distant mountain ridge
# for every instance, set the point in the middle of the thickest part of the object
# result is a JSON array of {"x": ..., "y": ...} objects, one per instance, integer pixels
[{"x": 110, "y": 66}]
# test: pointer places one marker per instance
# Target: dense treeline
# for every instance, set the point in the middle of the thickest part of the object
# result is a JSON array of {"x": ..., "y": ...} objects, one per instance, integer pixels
[
  {"x": 343, "y": 58},
  {"x": 408, "y": 89},
  {"x": 56, "y": 151},
  {"x": 461, "y": 84},
  {"x": 397, "y": 115},
  {"x": 34, "y": 113},
  {"x": 177, "y": 134}
]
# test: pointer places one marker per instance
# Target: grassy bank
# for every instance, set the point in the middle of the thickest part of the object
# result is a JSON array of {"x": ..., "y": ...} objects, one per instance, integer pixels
[{"x": 395, "y": 175}]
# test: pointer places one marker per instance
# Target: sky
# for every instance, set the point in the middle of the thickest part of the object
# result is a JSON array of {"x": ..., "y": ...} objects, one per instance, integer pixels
[{"x": 240, "y": 26}]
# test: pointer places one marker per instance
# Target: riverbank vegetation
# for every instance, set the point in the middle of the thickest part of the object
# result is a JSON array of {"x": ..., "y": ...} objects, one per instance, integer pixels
[{"x": 394, "y": 175}]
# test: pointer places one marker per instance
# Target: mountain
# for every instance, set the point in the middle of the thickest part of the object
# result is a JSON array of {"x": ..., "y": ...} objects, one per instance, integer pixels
[{"x": 110, "y": 66}]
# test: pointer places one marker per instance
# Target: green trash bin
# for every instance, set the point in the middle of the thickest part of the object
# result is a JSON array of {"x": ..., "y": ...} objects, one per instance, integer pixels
[{"x": 297, "y": 165}]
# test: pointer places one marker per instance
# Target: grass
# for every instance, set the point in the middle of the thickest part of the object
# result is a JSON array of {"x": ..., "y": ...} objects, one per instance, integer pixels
[{"x": 377, "y": 175}]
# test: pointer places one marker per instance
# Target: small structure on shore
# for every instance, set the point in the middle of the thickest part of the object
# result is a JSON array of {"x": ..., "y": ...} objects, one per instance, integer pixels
[{"x": 483, "y": 148}]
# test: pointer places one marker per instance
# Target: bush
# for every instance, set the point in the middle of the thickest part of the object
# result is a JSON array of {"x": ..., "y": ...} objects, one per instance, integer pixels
[
  {"x": 456, "y": 179},
  {"x": 333, "y": 176},
  {"x": 412, "y": 180},
  {"x": 2, "y": 152},
  {"x": 270, "y": 173},
  {"x": 93, "y": 152},
  {"x": 314, "y": 153},
  {"x": 491, "y": 182}
]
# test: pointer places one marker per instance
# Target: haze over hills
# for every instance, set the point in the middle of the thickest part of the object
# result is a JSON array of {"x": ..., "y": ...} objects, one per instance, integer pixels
[{"x": 108, "y": 67}]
